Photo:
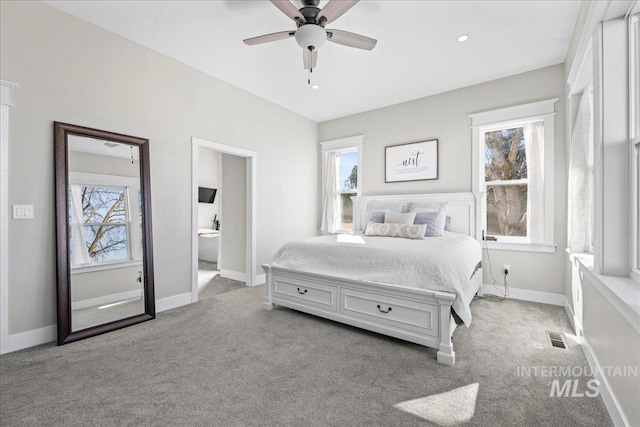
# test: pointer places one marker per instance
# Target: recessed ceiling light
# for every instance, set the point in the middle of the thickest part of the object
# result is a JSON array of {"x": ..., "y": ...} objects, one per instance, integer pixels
[
  {"x": 463, "y": 38},
  {"x": 315, "y": 87}
]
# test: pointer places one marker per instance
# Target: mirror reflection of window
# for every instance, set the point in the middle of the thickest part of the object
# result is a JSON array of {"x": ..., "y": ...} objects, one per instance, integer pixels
[
  {"x": 100, "y": 227},
  {"x": 105, "y": 203}
]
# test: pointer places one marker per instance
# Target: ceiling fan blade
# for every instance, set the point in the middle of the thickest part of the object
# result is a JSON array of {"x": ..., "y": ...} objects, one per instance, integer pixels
[
  {"x": 269, "y": 37},
  {"x": 289, "y": 9},
  {"x": 334, "y": 10},
  {"x": 310, "y": 58},
  {"x": 351, "y": 39}
]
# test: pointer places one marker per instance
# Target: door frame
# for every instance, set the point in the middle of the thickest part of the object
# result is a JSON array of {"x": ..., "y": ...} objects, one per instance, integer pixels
[
  {"x": 251, "y": 194},
  {"x": 5, "y": 105}
]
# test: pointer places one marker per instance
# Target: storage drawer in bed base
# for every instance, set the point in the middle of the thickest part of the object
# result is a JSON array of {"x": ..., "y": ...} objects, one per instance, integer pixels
[
  {"x": 304, "y": 292},
  {"x": 415, "y": 315}
]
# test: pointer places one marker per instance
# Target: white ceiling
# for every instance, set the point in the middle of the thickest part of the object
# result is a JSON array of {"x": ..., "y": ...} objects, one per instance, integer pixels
[{"x": 417, "y": 53}]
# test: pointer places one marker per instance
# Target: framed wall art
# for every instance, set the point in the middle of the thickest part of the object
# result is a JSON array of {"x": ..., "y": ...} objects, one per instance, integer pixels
[{"x": 415, "y": 161}]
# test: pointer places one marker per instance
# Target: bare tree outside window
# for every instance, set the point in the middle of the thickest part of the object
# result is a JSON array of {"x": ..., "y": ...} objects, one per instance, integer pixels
[
  {"x": 506, "y": 181},
  {"x": 348, "y": 187},
  {"x": 105, "y": 223}
]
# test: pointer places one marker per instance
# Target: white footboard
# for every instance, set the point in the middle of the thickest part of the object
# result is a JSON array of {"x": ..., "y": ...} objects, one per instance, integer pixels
[{"x": 417, "y": 315}]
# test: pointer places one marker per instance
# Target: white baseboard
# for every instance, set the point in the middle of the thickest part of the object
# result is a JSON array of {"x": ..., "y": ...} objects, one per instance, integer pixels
[
  {"x": 261, "y": 279},
  {"x": 527, "y": 295},
  {"x": 107, "y": 299},
  {"x": 233, "y": 275},
  {"x": 32, "y": 338},
  {"x": 613, "y": 406},
  {"x": 48, "y": 334},
  {"x": 164, "y": 304}
]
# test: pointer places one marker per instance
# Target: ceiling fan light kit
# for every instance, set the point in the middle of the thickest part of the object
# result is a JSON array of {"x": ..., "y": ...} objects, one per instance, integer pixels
[
  {"x": 310, "y": 33},
  {"x": 310, "y": 36}
]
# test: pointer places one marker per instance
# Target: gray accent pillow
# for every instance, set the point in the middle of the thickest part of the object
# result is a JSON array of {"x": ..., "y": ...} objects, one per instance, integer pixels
[
  {"x": 447, "y": 223},
  {"x": 435, "y": 222},
  {"x": 378, "y": 216}
]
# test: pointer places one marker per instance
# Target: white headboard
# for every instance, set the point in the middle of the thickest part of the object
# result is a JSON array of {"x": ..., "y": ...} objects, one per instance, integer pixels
[{"x": 462, "y": 209}]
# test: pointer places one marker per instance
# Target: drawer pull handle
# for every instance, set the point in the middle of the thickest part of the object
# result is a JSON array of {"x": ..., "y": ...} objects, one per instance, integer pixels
[
  {"x": 382, "y": 311},
  {"x": 302, "y": 293}
]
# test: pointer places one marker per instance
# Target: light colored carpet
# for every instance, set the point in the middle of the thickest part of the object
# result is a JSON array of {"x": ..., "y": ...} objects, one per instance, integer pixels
[
  {"x": 226, "y": 362},
  {"x": 211, "y": 284}
]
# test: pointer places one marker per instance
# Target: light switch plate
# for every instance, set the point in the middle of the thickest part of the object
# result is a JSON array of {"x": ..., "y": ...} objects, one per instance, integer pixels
[{"x": 23, "y": 212}]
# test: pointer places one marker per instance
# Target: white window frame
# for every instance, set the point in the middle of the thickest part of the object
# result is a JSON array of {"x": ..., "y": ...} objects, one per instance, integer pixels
[
  {"x": 132, "y": 186},
  {"x": 634, "y": 141},
  {"x": 506, "y": 118},
  {"x": 352, "y": 143}
]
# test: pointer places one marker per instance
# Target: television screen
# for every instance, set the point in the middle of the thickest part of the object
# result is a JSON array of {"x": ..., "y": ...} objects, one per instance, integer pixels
[{"x": 206, "y": 195}]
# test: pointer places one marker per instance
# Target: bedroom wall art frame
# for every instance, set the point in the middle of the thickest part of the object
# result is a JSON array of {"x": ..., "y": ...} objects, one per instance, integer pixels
[{"x": 413, "y": 161}]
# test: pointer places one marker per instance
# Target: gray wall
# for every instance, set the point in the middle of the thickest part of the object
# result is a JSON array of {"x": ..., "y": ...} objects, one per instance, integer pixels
[
  {"x": 72, "y": 71},
  {"x": 233, "y": 230},
  {"x": 105, "y": 165},
  {"x": 97, "y": 284},
  {"x": 445, "y": 117}
]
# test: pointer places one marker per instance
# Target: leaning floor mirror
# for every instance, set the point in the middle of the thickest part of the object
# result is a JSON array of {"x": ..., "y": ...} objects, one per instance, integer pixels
[{"x": 104, "y": 242}]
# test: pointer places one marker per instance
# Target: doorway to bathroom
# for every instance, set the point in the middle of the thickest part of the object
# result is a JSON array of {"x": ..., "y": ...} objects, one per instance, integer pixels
[{"x": 223, "y": 218}]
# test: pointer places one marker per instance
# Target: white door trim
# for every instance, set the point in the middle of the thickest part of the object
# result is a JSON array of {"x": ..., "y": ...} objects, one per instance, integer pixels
[
  {"x": 5, "y": 106},
  {"x": 251, "y": 206}
]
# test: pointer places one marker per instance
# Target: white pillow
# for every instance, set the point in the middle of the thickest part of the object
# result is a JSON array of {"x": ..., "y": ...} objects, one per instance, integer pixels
[
  {"x": 428, "y": 206},
  {"x": 399, "y": 218},
  {"x": 406, "y": 231},
  {"x": 384, "y": 206}
]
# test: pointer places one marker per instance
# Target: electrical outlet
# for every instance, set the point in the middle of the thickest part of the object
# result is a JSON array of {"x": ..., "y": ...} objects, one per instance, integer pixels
[{"x": 506, "y": 268}]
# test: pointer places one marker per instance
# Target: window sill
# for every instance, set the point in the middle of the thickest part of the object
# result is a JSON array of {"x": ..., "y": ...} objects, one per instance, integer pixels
[
  {"x": 622, "y": 292},
  {"x": 521, "y": 247},
  {"x": 111, "y": 266}
]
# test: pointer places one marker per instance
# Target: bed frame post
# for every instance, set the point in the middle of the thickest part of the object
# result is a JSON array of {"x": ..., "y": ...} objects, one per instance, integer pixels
[
  {"x": 446, "y": 355},
  {"x": 266, "y": 303}
]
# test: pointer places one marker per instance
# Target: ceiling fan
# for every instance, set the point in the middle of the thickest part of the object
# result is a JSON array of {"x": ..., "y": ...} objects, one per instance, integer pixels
[{"x": 311, "y": 34}]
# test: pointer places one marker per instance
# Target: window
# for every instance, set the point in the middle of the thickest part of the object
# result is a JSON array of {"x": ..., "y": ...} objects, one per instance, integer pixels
[
  {"x": 634, "y": 138},
  {"x": 105, "y": 220},
  {"x": 506, "y": 183},
  {"x": 341, "y": 180},
  {"x": 513, "y": 176}
]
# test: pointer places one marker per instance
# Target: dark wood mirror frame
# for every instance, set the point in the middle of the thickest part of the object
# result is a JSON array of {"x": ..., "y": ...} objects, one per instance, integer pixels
[{"x": 65, "y": 333}]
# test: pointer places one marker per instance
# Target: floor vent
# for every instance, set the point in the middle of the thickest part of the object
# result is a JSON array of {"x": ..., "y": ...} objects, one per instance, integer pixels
[{"x": 556, "y": 339}]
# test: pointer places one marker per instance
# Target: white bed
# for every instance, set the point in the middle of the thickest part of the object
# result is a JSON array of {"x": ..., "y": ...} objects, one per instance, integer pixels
[{"x": 416, "y": 306}]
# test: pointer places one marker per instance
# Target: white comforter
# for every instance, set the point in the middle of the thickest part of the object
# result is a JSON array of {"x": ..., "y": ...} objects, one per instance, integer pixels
[{"x": 443, "y": 263}]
